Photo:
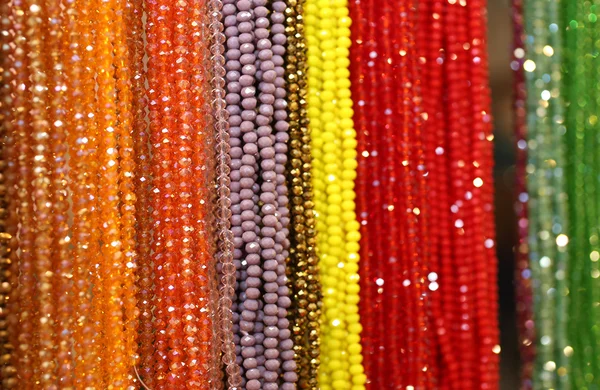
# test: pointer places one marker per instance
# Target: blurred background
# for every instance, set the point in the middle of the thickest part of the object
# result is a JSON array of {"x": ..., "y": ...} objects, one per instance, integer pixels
[{"x": 501, "y": 79}]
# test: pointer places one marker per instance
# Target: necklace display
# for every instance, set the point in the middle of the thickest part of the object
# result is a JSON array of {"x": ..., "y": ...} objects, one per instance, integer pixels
[{"x": 187, "y": 203}]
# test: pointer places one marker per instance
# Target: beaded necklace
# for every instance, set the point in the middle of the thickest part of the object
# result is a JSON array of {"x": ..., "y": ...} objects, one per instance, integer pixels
[{"x": 334, "y": 151}]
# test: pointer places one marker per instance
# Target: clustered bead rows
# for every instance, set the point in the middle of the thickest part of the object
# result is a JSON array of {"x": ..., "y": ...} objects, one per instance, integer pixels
[
  {"x": 255, "y": 49},
  {"x": 303, "y": 263},
  {"x": 57, "y": 263},
  {"x": 559, "y": 206},
  {"x": 430, "y": 185},
  {"x": 334, "y": 151},
  {"x": 391, "y": 178},
  {"x": 464, "y": 262},
  {"x": 185, "y": 316}
]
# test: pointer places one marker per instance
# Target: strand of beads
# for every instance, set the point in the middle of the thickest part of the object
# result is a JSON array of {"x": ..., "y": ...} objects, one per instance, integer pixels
[
  {"x": 285, "y": 351},
  {"x": 226, "y": 239},
  {"x": 430, "y": 42},
  {"x": 188, "y": 213},
  {"x": 142, "y": 185},
  {"x": 486, "y": 307},
  {"x": 127, "y": 201},
  {"x": 158, "y": 38},
  {"x": 83, "y": 173},
  {"x": 9, "y": 218},
  {"x": 62, "y": 262},
  {"x": 205, "y": 202},
  {"x": 577, "y": 156},
  {"x": 547, "y": 200},
  {"x": 36, "y": 17},
  {"x": 108, "y": 204},
  {"x": 334, "y": 148},
  {"x": 303, "y": 271},
  {"x": 272, "y": 149},
  {"x": 241, "y": 104},
  {"x": 524, "y": 286}
]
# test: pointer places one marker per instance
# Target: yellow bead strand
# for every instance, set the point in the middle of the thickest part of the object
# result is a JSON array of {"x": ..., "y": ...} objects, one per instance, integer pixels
[{"x": 334, "y": 170}]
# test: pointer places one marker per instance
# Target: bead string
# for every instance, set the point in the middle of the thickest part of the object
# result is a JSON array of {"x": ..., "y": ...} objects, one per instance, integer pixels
[
  {"x": 115, "y": 369},
  {"x": 205, "y": 160},
  {"x": 158, "y": 89},
  {"x": 226, "y": 239},
  {"x": 580, "y": 103},
  {"x": 126, "y": 168},
  {"x": 303, "y": 261},
  {"x": 486, "y": 309},
  {"x": 143, "y": 185},
  {"x": 8, "y": 217},
  {"x": 84, "y": 170},
  {"x": 240, "y": 55},
  {"x": 36, "y": 17},
  {"x": 524, "y": 287},
  {"x": 547, "y": 254},
  {"x": 62, "y": 263},
  {"x": 272, "y": 149}
]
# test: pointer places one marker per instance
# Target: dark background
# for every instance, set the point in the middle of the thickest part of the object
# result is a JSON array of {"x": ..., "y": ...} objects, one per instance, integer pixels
[{"x": 501, "y": 79}]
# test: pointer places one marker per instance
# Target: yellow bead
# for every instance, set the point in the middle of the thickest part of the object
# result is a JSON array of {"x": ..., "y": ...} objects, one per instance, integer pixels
[
  {"x": 352, "y": 318},
  {"x": 353, "y": 236},
  {"x": 352, "y": 268},
  {"x": 355, "y": 359},
  {"x": 355, "y": 328},
  {"x": 360, "y": 379},
  {"x": 352, "y": 289},
  {"x": 344, "y": 22},
  {"x": 341, "y": 385},
  {"x": 353, "y": 339}
]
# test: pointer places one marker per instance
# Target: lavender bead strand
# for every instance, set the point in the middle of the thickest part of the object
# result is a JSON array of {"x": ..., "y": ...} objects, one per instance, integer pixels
[
  {"x": 226, "y": 244},
  {"x": 260, "y": 213},
  {"x": 273, "y": 149}
]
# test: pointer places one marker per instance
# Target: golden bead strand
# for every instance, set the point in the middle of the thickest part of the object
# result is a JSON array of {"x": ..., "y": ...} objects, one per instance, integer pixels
[
  {"x": 62, "y": 263},
  {"x": 36, "y": 19},
  {"x": 304, "y": 278},
  {"x": 114, "y": 363},
  {"x": 26, "y": 356},
  {"x": 143, "y": 183},
  {"x": 9, "y": 219},
  {"x": 82, "y": 141},
  {"x": 127, "y": 167}
]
